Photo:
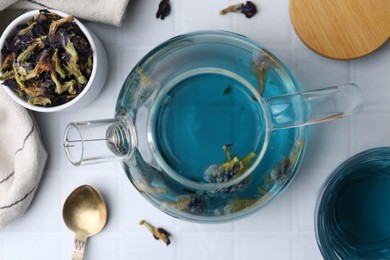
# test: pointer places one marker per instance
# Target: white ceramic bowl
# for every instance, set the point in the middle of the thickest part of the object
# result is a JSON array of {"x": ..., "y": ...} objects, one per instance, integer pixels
[{"x": 95, "y": 82}]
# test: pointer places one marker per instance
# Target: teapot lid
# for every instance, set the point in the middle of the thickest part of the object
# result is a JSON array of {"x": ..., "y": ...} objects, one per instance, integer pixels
[{"x": 341, "y": 29}]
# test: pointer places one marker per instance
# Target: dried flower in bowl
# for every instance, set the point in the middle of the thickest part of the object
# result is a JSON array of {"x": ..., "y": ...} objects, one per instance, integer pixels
[{"x": 47, "y": 60}]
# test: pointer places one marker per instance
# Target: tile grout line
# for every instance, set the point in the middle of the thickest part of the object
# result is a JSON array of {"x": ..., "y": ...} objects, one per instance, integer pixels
[{"x": 177, "y": 18}]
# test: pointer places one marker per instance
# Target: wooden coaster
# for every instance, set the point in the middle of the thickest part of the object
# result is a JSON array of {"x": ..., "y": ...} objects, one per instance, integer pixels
[{"x": 341, "y": 29}]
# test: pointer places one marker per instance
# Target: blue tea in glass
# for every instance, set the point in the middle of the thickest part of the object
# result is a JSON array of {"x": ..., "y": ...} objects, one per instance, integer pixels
[
  {"x": 353, "y": 212},
  {"x": 207, "y": 126}
]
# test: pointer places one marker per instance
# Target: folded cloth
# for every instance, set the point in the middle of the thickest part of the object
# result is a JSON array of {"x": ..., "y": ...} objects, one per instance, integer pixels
[
  {"x": 22, "y": 159},
  {"x": 109, "y": 12}
]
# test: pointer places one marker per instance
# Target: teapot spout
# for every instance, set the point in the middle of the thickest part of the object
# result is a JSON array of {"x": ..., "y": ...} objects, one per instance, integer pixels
[{"x": 98, "y": 141}]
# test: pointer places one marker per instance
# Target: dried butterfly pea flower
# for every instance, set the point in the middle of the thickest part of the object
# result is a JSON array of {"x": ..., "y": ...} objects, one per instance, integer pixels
[
  {"x": 259, "y": 67},
  {"x": 26, "y": 30},
  {"x": 55, "y": 24},
  {"x": 196, "y": 203},
  {"x": 7, "y": 63},
  {"x": 283, "y": 169},
  {"x": 233, "y": 168},
  {"x": 164, "y": 9},
  {"x": 248, "y": 9},
  {"x": 22, "y": 57},
  {"x": 48, "y": 61},
  {"x": 57, "y": 65},
  {"x": 158, "y": 233}
]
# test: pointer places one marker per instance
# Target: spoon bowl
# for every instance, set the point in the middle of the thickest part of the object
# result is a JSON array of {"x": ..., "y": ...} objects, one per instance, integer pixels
[{"x": 85, "y": 214}]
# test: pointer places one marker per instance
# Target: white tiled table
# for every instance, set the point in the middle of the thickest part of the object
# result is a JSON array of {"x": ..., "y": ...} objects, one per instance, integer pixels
[{"x": 282, "y": 231}]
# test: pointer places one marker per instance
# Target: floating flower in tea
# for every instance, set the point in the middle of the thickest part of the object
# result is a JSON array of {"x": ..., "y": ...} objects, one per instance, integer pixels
[
  {"x": 283, "y": 169},
  {"x": 259, "y": 66},
  {"x": 233, "y": 168}
]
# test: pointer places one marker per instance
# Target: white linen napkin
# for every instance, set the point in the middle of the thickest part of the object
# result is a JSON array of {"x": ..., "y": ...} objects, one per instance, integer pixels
[
  {"x": 22, "y": 159},
  {"x": 104, "y": 11}
]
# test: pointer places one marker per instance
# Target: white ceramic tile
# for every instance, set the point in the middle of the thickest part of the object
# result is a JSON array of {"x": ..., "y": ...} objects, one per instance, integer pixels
[
  {"x": 207, "y": 246},
  {"x": 313, "y": 71},
  {"x": 143, "y": 246},
  {"x": 108, "y": 35},
  {"x": 264, "y": 247},
  {"x": 372, "y": 128},
  {"x": 205, "y": 13},
  {"x": 369, "y": 73},
  {"x": 142, "y": 27},
  {"x": 32, "y": 246},
  {"x": 308, "y": 249},
  {"x": 185, "y": 226},
  {"x": 327, "y": 145},
  {"x": 270, "y": 26},
  {"x": 306, "y": 188},
  {"x": 51, "y": 132},
  {"x": 1, "y": 248},
  {"x": 134, "y": 208}
]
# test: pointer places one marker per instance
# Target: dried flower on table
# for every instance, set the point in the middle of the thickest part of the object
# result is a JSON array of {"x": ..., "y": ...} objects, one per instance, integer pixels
[
  {"x": 48, "y": 60},
  {"x": 158, "y": 233},
  {"x": 164, "y": 8},
  {"x": 248, "y": 9}
]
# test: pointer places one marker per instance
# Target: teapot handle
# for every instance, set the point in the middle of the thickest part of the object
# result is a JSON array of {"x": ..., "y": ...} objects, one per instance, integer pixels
[{"x": 311, "y": 107}]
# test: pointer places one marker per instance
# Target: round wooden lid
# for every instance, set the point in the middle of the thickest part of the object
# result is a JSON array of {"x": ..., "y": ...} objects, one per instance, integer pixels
[{"x": 341, "y": 29}]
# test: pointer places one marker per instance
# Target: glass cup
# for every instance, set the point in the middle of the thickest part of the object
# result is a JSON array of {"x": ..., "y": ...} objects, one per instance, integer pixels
[{"x": 353, "y": 209}]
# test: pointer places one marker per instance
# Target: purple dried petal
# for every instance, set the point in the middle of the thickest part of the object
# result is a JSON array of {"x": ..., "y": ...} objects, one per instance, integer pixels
[
  {"x": 77, "y": 42},
  {"x": 27, "y": 65},
  {"x": 73, "y": 28},
  {"x": 20, "y": 27},
  {"x": 62, "y": 37},
  {"x": 82, "y": 47},
  {"x": 248, "y": 9},
  {"x": 24, "y": 39},
  {"x": 10, "y": 45},
  {"x": 164, "y": 9},
  {"x": 64, "y": 56},
  {"x": 37, "y": 30},
  {"x": 42, "y": 17},
  {"x": 11, "y": 83},
  {"x": 47, "y": 87},
  {"x": 43, "y": 55}
]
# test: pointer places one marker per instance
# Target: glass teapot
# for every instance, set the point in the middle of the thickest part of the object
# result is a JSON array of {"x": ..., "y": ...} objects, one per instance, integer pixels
[{"x": 209, "y": 126}]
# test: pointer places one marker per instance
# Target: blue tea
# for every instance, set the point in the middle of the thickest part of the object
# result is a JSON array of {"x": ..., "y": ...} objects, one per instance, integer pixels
[
  {"x": 203, "y": 113},
  {"x": 200, "y": 125},
  {"x": 353, "y": 216}
]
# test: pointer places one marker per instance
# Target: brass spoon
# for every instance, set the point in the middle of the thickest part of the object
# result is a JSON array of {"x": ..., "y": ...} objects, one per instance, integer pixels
[{"x": 85, "y": 214}]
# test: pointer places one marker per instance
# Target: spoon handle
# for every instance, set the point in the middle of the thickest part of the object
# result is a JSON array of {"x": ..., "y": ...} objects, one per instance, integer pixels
[{"x": 78, "y": 249}]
